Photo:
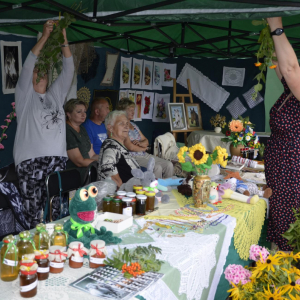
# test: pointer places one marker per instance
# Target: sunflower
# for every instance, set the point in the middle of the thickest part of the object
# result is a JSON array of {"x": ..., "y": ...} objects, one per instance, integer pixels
[
  {"x": 294, "y": 298},
  {"x": 290, "y": 287},
  {"x": 180, "y": 154},
  {"x": 234, "y": 292},
  {"x": 268, "y": 264},
  {"x": 277, "y": 295},
  {"x": 236, "y": 126},
  {"x": 287, "y": 255},
  {"x": 219, "y": 151},
  {"x": 198, "y": 155},
  {"x": 222, "y": 157}
]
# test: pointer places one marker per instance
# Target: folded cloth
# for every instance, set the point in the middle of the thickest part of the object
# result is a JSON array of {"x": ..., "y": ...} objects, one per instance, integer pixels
[
  {"x": 206, "y": 90},
  {"x": 248, "y": 97},
  {"x": 236, "y": 108}
]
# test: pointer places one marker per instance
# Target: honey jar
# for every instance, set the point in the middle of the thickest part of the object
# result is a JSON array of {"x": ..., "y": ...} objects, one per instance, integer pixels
[
  {"x": 76, "y": 251},
  {"x": 41, "y": 258},
  {"x": 97, "y": 254},
  {"x": 150, "y": 201},
  {"x": 57, "y": 258}
]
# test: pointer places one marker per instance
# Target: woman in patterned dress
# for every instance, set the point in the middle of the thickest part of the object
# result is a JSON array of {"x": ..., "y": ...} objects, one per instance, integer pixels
[{"x": 282, "y": 153}]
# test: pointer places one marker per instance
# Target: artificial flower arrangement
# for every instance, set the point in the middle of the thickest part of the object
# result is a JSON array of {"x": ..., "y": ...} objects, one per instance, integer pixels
[
  {"x": 240, "y": 132},
  {"x": 8, "y": 120},
  {"x": 273, "y": 276},
  {"x": 218, "y": 121},
  {"x": 196, "y": 159}
]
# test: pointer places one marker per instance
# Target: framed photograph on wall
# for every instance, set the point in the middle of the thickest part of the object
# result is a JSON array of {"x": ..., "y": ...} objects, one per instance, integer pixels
[
  {"x": 112, "y": 97},
  {"x": 193, "y": 116},
  {"x": 177, "y": 116}
]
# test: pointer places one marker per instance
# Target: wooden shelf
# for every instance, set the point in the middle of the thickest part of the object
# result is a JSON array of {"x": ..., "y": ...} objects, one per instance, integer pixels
[{"x": 185, "y": 130}]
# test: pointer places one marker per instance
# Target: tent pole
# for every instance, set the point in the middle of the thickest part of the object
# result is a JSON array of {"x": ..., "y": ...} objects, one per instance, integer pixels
[
  {"x": 229, "y": 37},
  {"x": 95, "y": 8}
]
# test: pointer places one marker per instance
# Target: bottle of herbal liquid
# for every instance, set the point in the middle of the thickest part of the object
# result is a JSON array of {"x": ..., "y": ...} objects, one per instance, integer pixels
[
  {"x": 58, "y": 237},
  {"x": 41, "y": 237},
  {"x": 9, "y": 259},
  {"x": 25, "y": 244}
]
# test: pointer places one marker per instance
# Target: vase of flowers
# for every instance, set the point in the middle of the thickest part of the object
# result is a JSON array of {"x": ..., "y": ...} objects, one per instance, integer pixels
[
  {"x": 197, "y": 160},
  {"x": 241, "y": 134},
  {"x": 218, "y": 122}
]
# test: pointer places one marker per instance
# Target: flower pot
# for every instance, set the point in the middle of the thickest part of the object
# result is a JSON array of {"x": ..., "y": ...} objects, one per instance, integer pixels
[
  {"x": 218, "y": 129},
  {"x": 201, "y": 190},
  {"x": 236, "y": 151}
]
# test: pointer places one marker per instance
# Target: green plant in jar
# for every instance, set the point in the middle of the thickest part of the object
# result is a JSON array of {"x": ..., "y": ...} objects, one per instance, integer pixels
[{"x": 41, "y": 237}]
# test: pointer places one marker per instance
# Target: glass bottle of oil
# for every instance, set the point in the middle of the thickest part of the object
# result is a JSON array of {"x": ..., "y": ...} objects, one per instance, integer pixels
[
  {"x": 58, "y": 237},
  {"x": 41, "y": 237},
  {"x": 9, "y": 259},
  {"x": 25, "y": 244}
]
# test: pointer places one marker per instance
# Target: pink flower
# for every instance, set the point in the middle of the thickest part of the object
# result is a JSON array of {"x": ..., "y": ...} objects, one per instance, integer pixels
[
  {"x": 7, "y": 120},
  {"x": 15, "y": 114},
  {"x": 8, "y": 116},
  {"x": 236, "y": 274},
  {"x": 1, "y": 146},
  {"x": 298, "y": 281},
  {"x": 4, "y": 135},
  {"x": 3, "y": 126},
  {"x": 256, "y": 250},
  {"x": 13, "y": 103}
]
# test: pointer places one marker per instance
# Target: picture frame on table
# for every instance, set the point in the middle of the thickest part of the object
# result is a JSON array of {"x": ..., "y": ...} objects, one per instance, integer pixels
[
  {"x": 177, "y": 116},
  {"x": 193, "y": 116},
  {"x": 112, "y": 97}
]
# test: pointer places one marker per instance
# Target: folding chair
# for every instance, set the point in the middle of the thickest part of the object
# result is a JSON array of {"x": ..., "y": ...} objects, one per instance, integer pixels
[
  {"x": 92, "y": 173},
  {"x": 58, "y": 183}
]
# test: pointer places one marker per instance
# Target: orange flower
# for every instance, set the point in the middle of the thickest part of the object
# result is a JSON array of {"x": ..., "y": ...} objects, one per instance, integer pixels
[
  {"x": 273, "y": 67},
  {"x": 258, "y": 64},
  {"x": 236, "y": 126}
]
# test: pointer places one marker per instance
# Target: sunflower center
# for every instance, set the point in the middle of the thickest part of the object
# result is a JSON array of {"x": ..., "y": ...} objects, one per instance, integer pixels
[
  {"x": 293, "y": 283},
  {"x": 224, "y": 158},
  {"x": 271, "y": 298},
  {"x": 198, "y": 154},
  {"x": 269, "y": 261}
]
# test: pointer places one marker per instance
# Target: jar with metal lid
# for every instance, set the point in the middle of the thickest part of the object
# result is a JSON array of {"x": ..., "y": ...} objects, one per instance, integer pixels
[
  {"x": 41, "y": 258},
  {"x": 57, "y": 258},
  {"x": 107, "y": 204},
  {"x": 117, "y": 206},
  {"x": 25, "y": 244},
  {"x": 59, "y": 237},
  {"x": 133, "y": 200},
  {"x": 41, "y": 237},
  {"x": 127, "y": 206},
  {"x": 98, "y": 254},
  {"x": 150, "y": 201},
  {"x": 140, "y": 192},
  {"x": 137, "y": 187},
  {"x": 111, "y": 195},
  {"x": 141, "y": 204},
  {"x": 9, "y": 259},
  {"x": 76, "y": 251},
  {"x": 120, "y": 194}
]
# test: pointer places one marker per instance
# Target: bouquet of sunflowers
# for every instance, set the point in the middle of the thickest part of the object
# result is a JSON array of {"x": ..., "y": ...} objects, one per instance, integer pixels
[
  {"x": 196, "y": 159},
  {"x": 273, "y": 276},
  {"x": 240, "y": 132},
  {"x": 218, "y": 121}
]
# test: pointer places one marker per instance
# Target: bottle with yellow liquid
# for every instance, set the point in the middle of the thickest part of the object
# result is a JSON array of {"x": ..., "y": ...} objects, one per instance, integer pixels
[
  {"x": 59, "y": 237},
  {"x": 9, "y": 259},
  {"x": 25, "y": 244},
  {"x": 41, "y": 237}
]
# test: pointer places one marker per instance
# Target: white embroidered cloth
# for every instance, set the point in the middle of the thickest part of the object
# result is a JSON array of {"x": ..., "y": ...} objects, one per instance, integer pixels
[
  {"x": 233, "y": 76},
  {"x": 206, "y": 90},
  {"x": 248, "y": 97},
  {"x": 236, "y": 108}
]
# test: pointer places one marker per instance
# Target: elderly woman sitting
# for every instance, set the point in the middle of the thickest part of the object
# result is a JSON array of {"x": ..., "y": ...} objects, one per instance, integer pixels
[
  {"x": 114, "y": 159},
  {"x": 79, "y": 148},
  {"x": 137, "y": 144}
]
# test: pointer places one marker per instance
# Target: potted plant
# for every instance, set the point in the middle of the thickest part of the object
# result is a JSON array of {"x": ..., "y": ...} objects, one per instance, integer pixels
[{"x": 218, "y": 122}]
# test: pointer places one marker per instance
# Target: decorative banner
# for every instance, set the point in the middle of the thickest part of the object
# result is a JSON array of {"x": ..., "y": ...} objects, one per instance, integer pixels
[
  {"x": 137, "y": 69},
  {"x": 147, "y": 75},
  {"x": 125, "y": 73},
  {"x": 158, "y": 74},
  {"x": 131, "y": 95},
  {"x": 233, "y": 76},
  {"x": 123, "y": 94},
  {"x": 169, "y": 73},
  {"x": 110, "y": 64},
  {"x": 147, "y": 105},
  {"x": 138, "y": 106},
  {"x": 160, "y": 109}
]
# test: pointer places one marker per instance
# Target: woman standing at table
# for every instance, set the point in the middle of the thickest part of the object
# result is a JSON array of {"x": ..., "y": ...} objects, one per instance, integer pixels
[{"x": 282, "y": 153}]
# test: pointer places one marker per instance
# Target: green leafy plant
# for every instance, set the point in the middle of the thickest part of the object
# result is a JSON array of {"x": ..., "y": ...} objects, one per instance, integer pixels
[
  {"x": 261, "y": 150},
  {"x": 293, "y": 233},
  {"x": 49, "y": 55}
]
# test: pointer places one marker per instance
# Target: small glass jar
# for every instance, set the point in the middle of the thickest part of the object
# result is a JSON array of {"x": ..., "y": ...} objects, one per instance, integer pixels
[
  {"x": 111, "y": 195},
  {"x": 127, "y": 206},
  {"x": 41, "y": 237},
  {"x": 58, "y": 237},
  {"x": 97, "y": 254},
  {"x": 117, "y": 206},
  {"x": 28, "y": 277},
  {"x": 141, "y": 205},
  {"x": 140, "y": 192},
  {"x": 25, "y": 244},
  {"x": 41, "y": 258},
  {"x": 57, "y": 258},
  {"x": 120, "y": 194},
  {"x": 137, "y": 187},
  {"x": 150, "y": 201},
  {"x": 133, "y": 201},
  {"x": 107, "y": 204},
  {"x": 9, "y": 259},
  {"x": 76, "y": 251}
]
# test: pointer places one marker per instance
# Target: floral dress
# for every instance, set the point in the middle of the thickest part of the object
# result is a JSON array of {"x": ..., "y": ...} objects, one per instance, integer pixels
[{"x": 282, "y": 157}]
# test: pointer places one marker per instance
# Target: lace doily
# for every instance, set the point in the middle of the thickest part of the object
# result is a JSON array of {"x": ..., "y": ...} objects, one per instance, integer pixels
[{"x": 84, "y": 95}]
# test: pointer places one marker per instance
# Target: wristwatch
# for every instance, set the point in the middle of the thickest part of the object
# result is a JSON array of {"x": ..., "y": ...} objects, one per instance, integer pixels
[{"x": 277, "y": 31}]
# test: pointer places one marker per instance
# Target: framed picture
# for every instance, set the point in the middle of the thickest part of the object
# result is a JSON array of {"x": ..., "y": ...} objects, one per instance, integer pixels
[
  {"x": 112, "y": 97},
  {"x": 193, "y": 116},
  {"x": 177, "y": 116},
  {"x": 11, "y": 65}
]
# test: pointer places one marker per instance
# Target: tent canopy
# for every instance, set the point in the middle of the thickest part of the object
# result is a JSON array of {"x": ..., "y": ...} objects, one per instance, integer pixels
[{"x": 160, "y": 28}]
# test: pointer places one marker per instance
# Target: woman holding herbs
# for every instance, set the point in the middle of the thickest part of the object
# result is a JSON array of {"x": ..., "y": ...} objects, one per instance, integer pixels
[
  {"x": 282, "y": 154},
  {"x": 40, "y": 142}
]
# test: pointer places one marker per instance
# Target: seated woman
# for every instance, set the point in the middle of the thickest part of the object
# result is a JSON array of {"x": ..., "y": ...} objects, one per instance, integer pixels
[
  {"x": 137, "y": 144},
  {"x": 79, "y": 149},
  {"x": 114, "y": 159}
]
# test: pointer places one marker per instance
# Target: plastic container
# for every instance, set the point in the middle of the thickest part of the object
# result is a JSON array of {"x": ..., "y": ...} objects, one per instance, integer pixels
[
  {"x": 141, "y": 205},
  {"x": 41, "y": 258},
  {"x": 41, "y": 237},
  {"x": 150, "y": 201},
  {"x": 76, "y": 251},
  {"x": 98, "y": 254},
  {"x": 57, "y": 258},
  {"x": 117, "y": 206},
  {"x": 107, "y": 204},
  {"x": 127, "y": 206},
  {"x": 113, "y": 227},
  {"x": 25, "y": 244},
  {"x": 58, "y": 237}
]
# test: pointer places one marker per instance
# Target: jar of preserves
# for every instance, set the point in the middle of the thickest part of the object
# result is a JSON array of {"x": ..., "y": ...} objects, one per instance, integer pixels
[
  {"x": 28, "y": 276},
  {"x": 133, "y": 201},
  {"x": 57, "y": 258},
  {"x": 150, "y": 201},
  {"x": 9, "y": 259},
  {"x": 137, "y": 187},
  {"x": 25, "y": 244},
  {"x": 140, "y": 192},
  {"x": 120, "y": 194},
  {"x": 127, "y": 206},
  {"x": 76, "y": 251},
  {"x": 111, "y": 195},
  {"x": 41, "y": 237},
  {"x": 107, "y": 204},
  {"x": 141, "y": 204},
  {"x": 97, "y": 254},
  {"x": 41, "y": 258},
  {"x": 117, "y": 206},
  {"x": 59, "y": 237}
]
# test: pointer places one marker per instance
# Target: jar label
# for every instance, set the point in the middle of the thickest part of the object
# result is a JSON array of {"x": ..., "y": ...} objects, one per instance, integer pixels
[
  {"x": 9, "y": 262},
  {"x": 43, "y": 270},
  {"x": 77, "y": 258},
  {"x": 28, "y": 287},
  {"x": 56, "y": 265},
  {"x": 96, "y": 260},
  {"x": 127, "y": 211}
]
